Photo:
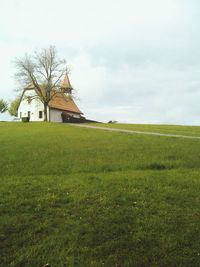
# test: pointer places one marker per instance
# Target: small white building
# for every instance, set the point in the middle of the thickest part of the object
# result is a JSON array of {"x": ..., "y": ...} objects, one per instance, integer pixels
[{"x": 61, "y": 104}]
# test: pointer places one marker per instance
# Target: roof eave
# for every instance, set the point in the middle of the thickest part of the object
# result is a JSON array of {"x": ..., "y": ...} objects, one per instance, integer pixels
[{"x": 66, "y": 110}]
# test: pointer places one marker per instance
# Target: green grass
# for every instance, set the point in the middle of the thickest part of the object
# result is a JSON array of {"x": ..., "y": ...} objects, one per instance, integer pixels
[
  {"x": 81, "y": 197},
  {"x": 166, "y": 129}
]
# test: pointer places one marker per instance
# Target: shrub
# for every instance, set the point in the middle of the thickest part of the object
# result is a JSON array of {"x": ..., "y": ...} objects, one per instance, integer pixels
[{"x": 25, "y": 119}]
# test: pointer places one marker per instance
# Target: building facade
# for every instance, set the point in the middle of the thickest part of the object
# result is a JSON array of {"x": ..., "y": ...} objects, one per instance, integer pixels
[{"x": 61, "y": 103}]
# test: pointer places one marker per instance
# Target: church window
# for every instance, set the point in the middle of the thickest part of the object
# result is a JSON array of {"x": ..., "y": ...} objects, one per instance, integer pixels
[{"x": 40, "y": 114}]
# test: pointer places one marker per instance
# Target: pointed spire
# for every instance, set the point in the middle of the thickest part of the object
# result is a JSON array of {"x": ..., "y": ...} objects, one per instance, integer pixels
[{"x": 66, "y": 83}]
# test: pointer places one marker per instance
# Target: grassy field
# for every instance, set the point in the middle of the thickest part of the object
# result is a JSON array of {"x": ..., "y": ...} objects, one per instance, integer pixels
[
  {"x": 166, "y": 129},
  {"x": 82, "y": 197}
]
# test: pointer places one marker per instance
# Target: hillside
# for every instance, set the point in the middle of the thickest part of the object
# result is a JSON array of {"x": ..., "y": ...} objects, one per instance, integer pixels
[{"x": 82, "y": 197}]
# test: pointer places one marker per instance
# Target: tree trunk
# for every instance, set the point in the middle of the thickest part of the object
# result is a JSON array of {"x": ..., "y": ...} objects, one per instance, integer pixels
[{"x": 45, "y": 111}]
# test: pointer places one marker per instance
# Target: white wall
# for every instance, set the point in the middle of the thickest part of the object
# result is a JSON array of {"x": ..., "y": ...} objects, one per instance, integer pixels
[
  {"x": 34, "y": 107},
  {"x": 55, "y": 115}
]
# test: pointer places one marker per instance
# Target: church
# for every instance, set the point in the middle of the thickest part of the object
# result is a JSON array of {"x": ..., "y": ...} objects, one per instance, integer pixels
[{"x": 61, "y": 108}]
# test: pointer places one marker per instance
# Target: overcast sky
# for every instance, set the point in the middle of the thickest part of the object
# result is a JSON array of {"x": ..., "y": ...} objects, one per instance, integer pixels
[{"x": 131, "y": 60}]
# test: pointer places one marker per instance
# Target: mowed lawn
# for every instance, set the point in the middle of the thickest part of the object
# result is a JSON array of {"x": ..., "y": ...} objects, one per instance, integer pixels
[
  {"x": 83, "y": 197},
  {"x": 164, "y": 129}
]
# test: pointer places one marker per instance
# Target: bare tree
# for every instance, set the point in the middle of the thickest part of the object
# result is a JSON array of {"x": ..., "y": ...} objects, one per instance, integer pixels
[{"x": 44, "y": 70}]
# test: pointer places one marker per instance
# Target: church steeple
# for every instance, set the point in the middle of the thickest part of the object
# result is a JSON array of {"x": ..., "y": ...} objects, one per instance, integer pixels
[{"x": 66, "y": 85}]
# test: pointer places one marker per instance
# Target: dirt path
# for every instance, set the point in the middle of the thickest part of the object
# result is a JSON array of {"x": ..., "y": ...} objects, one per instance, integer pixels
[{"x": 134, "y": 132}]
